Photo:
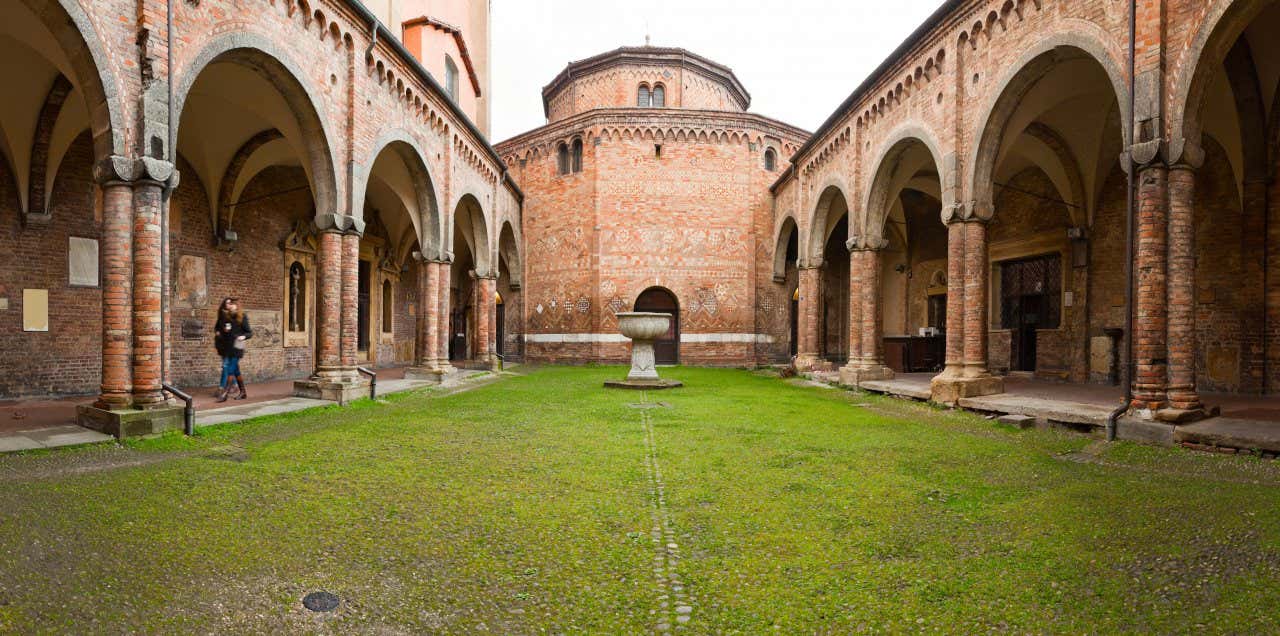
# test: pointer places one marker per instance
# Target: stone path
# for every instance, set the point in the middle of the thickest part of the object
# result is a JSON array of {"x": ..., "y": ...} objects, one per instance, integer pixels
[{"x": 676, "y": 605}]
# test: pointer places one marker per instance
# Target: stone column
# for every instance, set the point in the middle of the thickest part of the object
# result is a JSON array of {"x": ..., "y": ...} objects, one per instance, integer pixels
[
  {"x": 966, "y": 373},
  {"x": 807, "y": 318},
  {"x": 117, "y": 296},
  {"x": 444, "y": 273},
  {"x": 1150, "y": 311},
  {"x": 148, "y": 285},
  {"x": 1182, "y": 395}
]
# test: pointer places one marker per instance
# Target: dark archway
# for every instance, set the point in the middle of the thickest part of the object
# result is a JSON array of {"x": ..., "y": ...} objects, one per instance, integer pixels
[{"x": 659, "y": 300}]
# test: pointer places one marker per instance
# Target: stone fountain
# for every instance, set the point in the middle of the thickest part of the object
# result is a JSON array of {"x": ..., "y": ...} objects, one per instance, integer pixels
[{"x": 643, "y": 328}]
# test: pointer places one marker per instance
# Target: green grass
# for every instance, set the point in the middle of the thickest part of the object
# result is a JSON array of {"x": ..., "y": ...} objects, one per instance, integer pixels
[{"x": 526, "y": 507}]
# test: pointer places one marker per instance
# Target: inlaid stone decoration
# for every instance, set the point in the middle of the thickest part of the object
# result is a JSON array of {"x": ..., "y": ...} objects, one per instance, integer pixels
[
  {"x": 268, "y": 332},
  {"x": 192, "y": 282},
  {"x": 82, "y": 262}
]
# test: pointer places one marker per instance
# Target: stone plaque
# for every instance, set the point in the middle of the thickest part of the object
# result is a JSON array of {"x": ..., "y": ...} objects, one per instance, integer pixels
[
  {"x": 192, "y": 282},
  {"x": 268, "y": 332},
  {"x": 194, "y": 329},
  {"x": 35, "y": 310},
  {"x": 1100, "y": 352},
  {"x": 82, "y": 262}
]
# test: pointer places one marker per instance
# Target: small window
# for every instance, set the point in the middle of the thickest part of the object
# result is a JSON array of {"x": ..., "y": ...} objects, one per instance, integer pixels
[
  {"x": 657, "y": 151},
  {"x": 387, "y": 306},
  {"x": 297, "y": 297},
  {"x": 577, "y": 155},
  {"x": 562, "y": 159},
  {"x": 643, "y": 97},
  {"x": 659, "y": 96},
  {"x": 770, "y": 160},
  {"x": 451, "y": 78}
]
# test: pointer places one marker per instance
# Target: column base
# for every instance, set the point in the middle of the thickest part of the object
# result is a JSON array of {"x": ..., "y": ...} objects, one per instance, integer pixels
[
  {"x": 855, "y": 375},
  {"x": 123, "y": 423},
  {"x": 1181, "y": 416},
  {"x": 340, "y": 391},
  {"x": 425, "y": 374},
  {"x": 807, "y": 362},
  {"x": 949, "y": 390}
]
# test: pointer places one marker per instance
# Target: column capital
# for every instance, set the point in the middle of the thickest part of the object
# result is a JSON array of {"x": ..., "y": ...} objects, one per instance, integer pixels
[
  {"x": 339, "y": 223},
  {"x": 121, "y": 169},
  {"x": 866, "y": 244}
]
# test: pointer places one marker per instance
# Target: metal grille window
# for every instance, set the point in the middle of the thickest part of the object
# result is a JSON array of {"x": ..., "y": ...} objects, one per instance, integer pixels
[{"x": 1031, "y": 293}]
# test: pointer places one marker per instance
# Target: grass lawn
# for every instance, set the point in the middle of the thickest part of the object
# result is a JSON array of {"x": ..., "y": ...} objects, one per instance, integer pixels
[{"x": 543, "y": 503}]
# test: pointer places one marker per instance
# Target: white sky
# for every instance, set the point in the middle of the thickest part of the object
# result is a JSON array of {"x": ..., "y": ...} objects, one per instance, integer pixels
[{"x": 798, "y": 58}]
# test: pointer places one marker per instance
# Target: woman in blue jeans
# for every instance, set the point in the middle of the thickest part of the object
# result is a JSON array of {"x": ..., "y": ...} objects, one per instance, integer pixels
[{"x": 229, "y": 336}]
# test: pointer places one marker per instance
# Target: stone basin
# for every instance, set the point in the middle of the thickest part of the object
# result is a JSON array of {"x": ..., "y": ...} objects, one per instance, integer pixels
[{"x": 643, "y": 328}]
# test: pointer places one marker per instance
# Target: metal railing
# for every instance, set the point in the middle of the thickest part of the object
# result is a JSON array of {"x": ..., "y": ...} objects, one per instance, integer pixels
[
  {"x": 189, "y": 412},
  {"x": 373, "y": 382}
]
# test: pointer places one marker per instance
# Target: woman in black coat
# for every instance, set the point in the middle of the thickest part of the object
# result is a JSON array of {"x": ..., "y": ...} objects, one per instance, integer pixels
[{"x": 229, "y": 336}]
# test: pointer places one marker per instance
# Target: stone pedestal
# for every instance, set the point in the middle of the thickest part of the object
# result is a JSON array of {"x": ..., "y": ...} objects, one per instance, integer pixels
[
  {"x": 123, "y": 423},
  {"x": 949, "y": 390},
  {"x": 332, "y": 390},
  {"x": 855, "y": 375},
  {"x": 425, "y": 374}
]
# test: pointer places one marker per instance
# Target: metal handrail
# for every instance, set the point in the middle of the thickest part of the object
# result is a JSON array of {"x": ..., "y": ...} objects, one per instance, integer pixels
[
  {"x": 373, "y": 382},
  {"x": 189, "y": 413}
]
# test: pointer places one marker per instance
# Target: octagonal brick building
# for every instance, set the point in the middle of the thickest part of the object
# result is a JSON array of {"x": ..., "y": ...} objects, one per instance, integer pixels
[{"x": 648, "y": 190}]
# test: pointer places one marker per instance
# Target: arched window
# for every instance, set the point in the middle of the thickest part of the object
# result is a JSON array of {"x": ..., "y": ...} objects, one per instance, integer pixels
[
  {"x": 387, "y": 307},
  {"x": 297, "y": 297},
  {"x": 562, "y": 159},
  {"x": 659, "y": 96},
  {"x": 577, "y": 155},
  {"x": 643, "y": 97},
  {"x": 450, "y": 78},
  {"x": 770, "y": 160}
]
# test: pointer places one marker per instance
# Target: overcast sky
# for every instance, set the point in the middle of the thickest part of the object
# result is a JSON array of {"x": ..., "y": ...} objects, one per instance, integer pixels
[{"x": 798, "y": 58}]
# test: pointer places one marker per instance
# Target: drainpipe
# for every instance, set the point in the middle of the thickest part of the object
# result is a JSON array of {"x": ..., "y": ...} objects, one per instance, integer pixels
[
  {"x": 1127, "y": 375},
  {"x": 373, "y": 42}
]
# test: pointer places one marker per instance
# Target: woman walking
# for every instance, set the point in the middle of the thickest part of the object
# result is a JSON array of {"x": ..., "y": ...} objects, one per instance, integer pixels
[{"x": 229, "y": 336}]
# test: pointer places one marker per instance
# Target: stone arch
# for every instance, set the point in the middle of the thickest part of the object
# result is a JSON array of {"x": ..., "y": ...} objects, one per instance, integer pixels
[
  {"x": 1220, "y": 26},
  {"x": 92, "y": 72},
  {"x": 782, "y": 237},
  {"x": 1079, "y": 35},
  {"x": 832, "y": 194},
  {"x": 429, "y": 226},
  {"x": 261, "y": 55},
  {"x": 880, "y": 188}
]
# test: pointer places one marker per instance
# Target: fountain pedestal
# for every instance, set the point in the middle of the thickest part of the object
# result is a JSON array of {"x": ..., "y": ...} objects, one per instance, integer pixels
[{"x": 643, "y": 328}]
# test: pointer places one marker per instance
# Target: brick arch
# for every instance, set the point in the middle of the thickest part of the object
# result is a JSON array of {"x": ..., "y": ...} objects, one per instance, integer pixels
[
  {"x": 468, "y": 206},
  {"x": 879, "y": 190},
  {"x": 832, "y": 190},
  {"x": 511, "y": 248},
  {"x": 91, "y": 72},
  {"x": 1036, "y": 62},
  {"x": 1221, "y": 25},
  {"x": 781, "y": 237},
  {"x": 263, "y": 56},
  {"x": 234, "y": 179},
  {"x": 430, "y": 227}
]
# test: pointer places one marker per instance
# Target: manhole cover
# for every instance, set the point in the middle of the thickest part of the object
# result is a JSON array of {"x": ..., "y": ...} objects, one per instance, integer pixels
[{"x": 321, "y": 602}]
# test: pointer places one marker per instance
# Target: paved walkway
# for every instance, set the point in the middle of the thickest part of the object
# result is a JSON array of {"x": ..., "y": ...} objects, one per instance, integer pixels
[
  {"x": 36, "y": 424},
  {"x": 1247, "y": 422}
]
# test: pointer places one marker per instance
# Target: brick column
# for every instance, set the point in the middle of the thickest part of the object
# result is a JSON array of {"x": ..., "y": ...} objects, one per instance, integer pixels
[
  {"x": 117, "y": 296},
  {"x": 975, "y": 299},
  {"x": 966, "y": 373},
  {"x": 1150, "y": 324},
  {"x": 807, "y": 318},
  {"x": 855, "y": 307},
  {"x": 424, "y": 332},
  {"x": 329, "y": 305},
  {"x": 486, "y": 289},
  {"x": 444, "y": 273},
  {"x": 148, "y": 285},
  {"x": 955, "y": 300},
  {"x": 350, "y": 302},
  {"x": 872, "y": 313},
  {"x": 1182, "y": 393}
]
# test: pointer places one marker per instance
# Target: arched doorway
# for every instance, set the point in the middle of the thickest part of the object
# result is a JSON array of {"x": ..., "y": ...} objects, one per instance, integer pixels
[
  {"x": 501, "y": 324},
  {"x": 658, "y": 300}
]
